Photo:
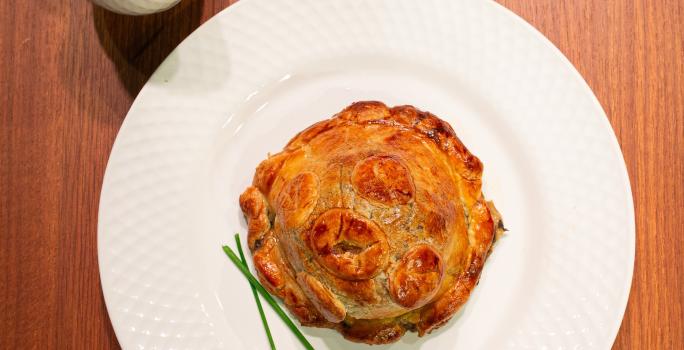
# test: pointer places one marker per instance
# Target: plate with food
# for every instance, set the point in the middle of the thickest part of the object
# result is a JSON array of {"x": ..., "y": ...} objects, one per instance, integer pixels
[{"x": 399, "y": 174}]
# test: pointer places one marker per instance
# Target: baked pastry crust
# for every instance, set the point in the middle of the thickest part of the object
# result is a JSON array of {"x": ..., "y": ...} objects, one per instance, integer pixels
[{"x": 372, "y": 222}]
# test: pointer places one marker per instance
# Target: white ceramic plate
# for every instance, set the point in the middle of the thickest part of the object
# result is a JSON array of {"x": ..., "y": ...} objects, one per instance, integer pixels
[{"x": 257, "y": 73}]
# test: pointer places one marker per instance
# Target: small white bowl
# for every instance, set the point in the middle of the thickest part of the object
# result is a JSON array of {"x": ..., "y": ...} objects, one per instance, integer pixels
[{"x": 136, "y": 7}]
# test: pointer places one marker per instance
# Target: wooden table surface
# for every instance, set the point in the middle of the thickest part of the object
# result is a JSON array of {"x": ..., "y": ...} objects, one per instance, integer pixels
[{"x": 70, "y": 71}]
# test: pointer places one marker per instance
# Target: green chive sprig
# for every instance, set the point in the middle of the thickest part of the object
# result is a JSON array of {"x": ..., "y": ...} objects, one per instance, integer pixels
[
  {"x": 269, "y": 299},
  {"x": 256, "y": 296}
]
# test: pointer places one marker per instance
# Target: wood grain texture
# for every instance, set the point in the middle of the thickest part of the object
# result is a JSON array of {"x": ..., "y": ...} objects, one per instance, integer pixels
[{"x": 69, "y": 72}]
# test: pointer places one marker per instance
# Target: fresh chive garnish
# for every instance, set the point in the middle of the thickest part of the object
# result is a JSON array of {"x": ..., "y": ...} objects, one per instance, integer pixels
[
  {"x": 253, "y": 281},
  {"x": 256, "y": 296}
]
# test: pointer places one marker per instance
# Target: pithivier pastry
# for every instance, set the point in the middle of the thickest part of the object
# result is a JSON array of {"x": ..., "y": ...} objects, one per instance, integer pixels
[{"x": 372, "y": 222}]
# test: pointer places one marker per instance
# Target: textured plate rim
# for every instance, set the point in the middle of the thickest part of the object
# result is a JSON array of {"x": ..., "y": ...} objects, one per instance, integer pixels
[
  {"x": 608, "y": 128},
  {"x": 630, "y": 245}
]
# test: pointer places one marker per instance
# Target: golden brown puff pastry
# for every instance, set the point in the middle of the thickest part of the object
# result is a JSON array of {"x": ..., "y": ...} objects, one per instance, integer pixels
[{"x": 372, "y": 222}]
